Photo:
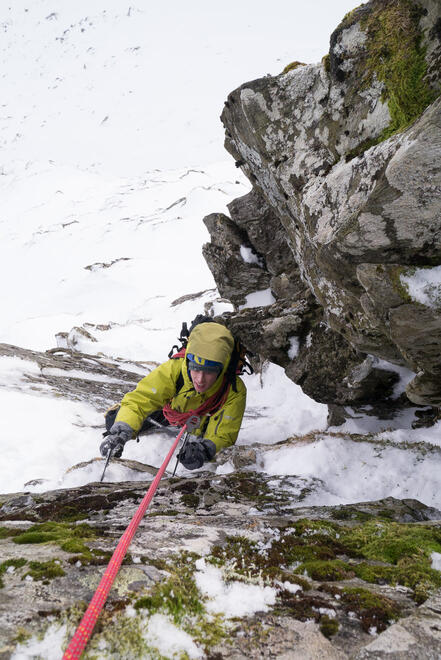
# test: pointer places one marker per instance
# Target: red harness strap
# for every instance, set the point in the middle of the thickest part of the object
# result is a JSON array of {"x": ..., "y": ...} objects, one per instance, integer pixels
[{"x": 210, "y": 406}]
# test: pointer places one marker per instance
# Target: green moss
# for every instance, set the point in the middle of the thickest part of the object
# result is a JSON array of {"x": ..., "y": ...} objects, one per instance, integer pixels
[
  {"x": 160, "y": 564},
  {"x": 374, "y": 573},
  {"x": 380, "y": 551},
  {"x": 44, "y": 570},
  {"x": 391, "y": 542},
  {"x": 395, "y": 278},
  {"x": 70, "y": 513},
  {"x": 386, "y": 513},
  {"x": 179, "y": 598},
  {"x": 69, "y": 537},
  {"x": 121, "y": 637},
  {"x": 16, "y": 563},
  {"x": 302, "y": 608},
  {"x": 397, "y": 58},
  {"x": 308, "y": 528},
  {"x": 309, "y": 542},
  {"x": 54, "y": 531},
  {"x": 374, "y": 611},
  {"x": 252, "y": 487},
  {"x": 326, "y": 571},
  {"x": 190, "y": 500},
  {"x": 326, "y": 61},
  {"x": 21, "y": 635},
  {"x": 405, "y": 549},
  {"x": 328, "y": 626},
  {"x": 361, "y": 148},
  {"x": 350, "y": 513},
  {"x": 167, "y": 512},
  {"x": 74, "y": 545},
  {"x": 6, "y": 532},
  {"x": 95, "y": 557},
  {"x": 292, "y": 65}
]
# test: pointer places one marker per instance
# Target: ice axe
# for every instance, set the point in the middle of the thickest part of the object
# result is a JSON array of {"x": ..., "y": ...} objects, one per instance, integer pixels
[
  {"x": 192, "y": 424},
  {"x": 106, "y": 464}
]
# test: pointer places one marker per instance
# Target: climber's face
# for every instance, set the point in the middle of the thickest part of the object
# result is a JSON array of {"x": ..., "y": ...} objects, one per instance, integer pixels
[{"x": 202, "y": 380}]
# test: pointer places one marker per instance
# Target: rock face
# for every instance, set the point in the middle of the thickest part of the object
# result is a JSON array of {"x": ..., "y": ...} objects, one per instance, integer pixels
[
  {"x": 344, "y": 158},
  {"x": 347, "y": 581},
  {"x": 76, "y": 376}
]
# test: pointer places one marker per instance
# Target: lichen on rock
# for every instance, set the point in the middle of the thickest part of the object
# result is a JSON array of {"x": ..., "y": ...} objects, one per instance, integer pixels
[
  {"x": 336, "y": 572},
  {"x": 344, "y": 160}
]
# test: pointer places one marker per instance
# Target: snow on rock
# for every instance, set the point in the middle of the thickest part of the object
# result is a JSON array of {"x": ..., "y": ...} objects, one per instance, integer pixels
[
  {"x": 355, "y": 470},
  {"x": 258, "y": 299},
  {"x": 169, "y": 640},
  {"x": 294, "y": 347},
  {"x": 50, "y": 646},
  {"x": 424, "y": 286},
  {"x": 249, "y": 256},
  {"x": 436, "y": 560},
  {"x": 234, "y": 599}
]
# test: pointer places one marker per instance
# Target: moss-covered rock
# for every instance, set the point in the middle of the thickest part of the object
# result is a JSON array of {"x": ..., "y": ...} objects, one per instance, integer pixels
[{"x": 322, "y": 564}]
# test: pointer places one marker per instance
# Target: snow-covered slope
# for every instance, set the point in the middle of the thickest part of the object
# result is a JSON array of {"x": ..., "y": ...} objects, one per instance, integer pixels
[
  {"x": 111, "y": 154},
  {"x": 124, "y": 87}
]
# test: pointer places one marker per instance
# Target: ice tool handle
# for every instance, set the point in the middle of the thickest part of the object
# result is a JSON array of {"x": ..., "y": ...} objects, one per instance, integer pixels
[{"x": 191, "y": 424}]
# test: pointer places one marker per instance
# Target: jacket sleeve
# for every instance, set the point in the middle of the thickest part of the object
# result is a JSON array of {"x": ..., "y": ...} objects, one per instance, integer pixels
[
  {"x": 224, "y": 426},
  {"x": 151, "y": 393}
]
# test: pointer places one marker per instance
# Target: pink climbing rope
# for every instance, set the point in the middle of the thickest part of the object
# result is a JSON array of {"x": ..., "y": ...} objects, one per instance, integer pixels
[{"x": 87, "y": 624}]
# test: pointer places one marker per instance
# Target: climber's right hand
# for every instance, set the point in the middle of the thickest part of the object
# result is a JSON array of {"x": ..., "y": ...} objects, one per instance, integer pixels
[{"x": 119, "y": 434}]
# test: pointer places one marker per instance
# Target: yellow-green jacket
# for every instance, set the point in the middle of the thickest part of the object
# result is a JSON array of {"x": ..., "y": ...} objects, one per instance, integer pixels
[{"x": 159, "y": 388}]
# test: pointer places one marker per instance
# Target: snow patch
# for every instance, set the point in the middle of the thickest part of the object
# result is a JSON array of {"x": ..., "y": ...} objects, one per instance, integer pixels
[
  {"x": 352, "y": 471},
  {"x": 294, "y": 347},
  {"x": 436, "y": 560},
  {"x": 170, "y": 640},
  {"x": 249, "y": 256},
  {"x": 261, "y": 298},
  {"x": 424, "y": 286},
  {"x": 49, "y": 648},
  {"x": 232, "y": 599}
]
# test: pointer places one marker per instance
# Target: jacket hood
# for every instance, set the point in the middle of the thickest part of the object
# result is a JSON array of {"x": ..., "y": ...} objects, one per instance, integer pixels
[{"x": 211, "y": 341}]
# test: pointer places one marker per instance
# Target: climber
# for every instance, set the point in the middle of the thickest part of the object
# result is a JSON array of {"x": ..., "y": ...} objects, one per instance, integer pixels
[{"x": 202, "y": 382}]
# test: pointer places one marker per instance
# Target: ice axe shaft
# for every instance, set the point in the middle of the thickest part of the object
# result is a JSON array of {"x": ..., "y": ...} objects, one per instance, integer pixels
[
  {"x": 107, "y": 463},
  {"x": 167, "y": 429}
]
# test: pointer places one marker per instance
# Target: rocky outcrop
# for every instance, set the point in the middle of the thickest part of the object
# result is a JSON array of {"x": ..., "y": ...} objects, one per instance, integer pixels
[
  {"x": 98, "y": 380},
  {"x": 344, "y": 158},
  {"x": 341, "y": 591}
]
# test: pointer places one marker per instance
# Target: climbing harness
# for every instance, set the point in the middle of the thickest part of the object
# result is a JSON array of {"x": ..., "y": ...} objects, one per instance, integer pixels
[{"x": 87, "y": 624}]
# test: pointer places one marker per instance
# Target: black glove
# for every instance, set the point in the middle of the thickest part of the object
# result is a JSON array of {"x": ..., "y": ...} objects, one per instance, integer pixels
[
  {"x": 119, "y": 434},
  {"x": 196, "y": 453}
]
